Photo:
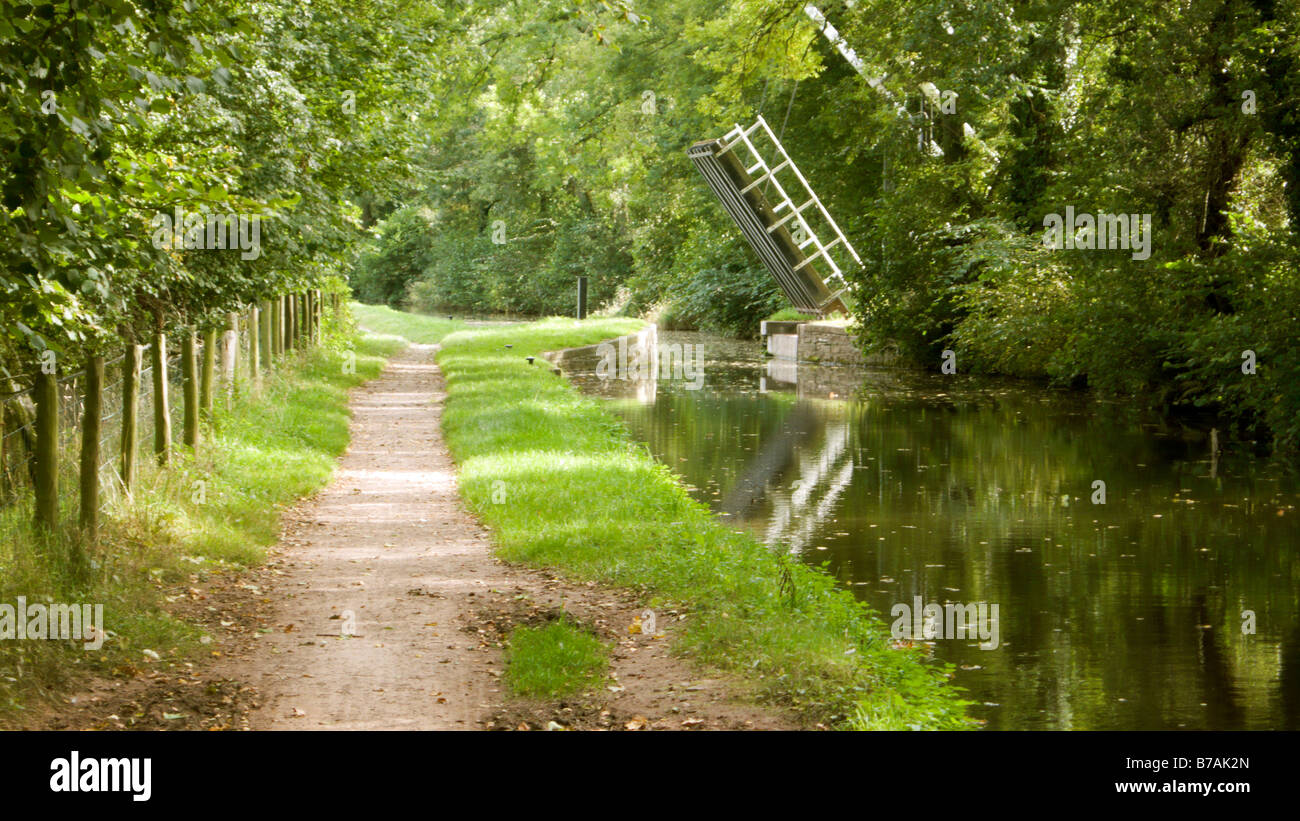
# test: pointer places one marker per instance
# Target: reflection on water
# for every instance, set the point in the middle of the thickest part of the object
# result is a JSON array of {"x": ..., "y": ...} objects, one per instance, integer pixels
[{"x": 1123, "y": 615}]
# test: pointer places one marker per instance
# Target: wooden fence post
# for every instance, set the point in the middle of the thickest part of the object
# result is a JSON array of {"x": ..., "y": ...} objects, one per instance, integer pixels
[
  {"x": 22, "y": 412},
  {"x": 207, "y": 374},
  {"x": 92, "y": 416},
  {"x": 254, "y": 345},
  {"x": 190, "y": 388},
  {"x": 162, "y": 421},
  {"x": 230, "y": 352},
  {"x": 130, "y": 411},
  {"x": 4, "y": 462},
  {"x": 46, "y": 394},
  {"x": 267, "y": 347},
  {"x": 289, "y": 324},
  {"x": 277, "y": 328},
  {"x": 309, "y": 302}
]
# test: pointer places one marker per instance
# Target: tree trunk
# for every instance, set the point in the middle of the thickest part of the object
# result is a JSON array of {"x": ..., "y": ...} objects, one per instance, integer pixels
[
  {"x": 162, "y": 421},
  {"x": 207, "y": 376},
  {"x": 130, "y": 411},
  {"x": 190, "y": 388},
  {"x": 91, "y": 426},
  {"x": 47, "y": 450}
]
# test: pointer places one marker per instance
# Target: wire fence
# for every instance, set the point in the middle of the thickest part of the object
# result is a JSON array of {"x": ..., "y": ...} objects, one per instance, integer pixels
[{"x": 17, "y": 412}]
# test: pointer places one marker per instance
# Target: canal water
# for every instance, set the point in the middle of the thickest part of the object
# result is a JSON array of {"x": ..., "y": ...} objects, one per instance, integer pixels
[{"x": 1173, "y": 604}]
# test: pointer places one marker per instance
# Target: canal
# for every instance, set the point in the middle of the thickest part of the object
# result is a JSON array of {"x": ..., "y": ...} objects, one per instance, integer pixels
[{"x": 1142, "y": 581}]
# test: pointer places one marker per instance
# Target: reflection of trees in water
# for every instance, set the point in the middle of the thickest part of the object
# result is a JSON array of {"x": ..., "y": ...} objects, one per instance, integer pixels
[
  {"x": 987, "y": 499},
  {"x": 1289, "y": 681},
  {"x": 1223, "y": 712}
]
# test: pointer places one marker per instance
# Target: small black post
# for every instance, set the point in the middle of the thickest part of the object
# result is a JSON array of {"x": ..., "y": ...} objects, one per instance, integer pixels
[{"x": 582, "y": 297}]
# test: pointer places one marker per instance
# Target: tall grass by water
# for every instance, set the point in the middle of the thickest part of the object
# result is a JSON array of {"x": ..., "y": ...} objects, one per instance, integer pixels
[{"x": 561, "y": 485}]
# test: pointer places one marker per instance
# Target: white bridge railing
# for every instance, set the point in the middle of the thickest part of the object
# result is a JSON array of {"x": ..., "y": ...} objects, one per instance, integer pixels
[{"x": 784, "y": 220}]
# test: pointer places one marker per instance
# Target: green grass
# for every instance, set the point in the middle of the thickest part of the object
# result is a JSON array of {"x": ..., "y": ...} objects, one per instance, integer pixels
[
  {"x": 789, "y": 315},
  {"x": 261, "y": 453},
  {"x": 561, "y": 485},
  {"x": 265, "y": 452},
  {"x": 415, "y": 327},
  {"x": 557, "y": 660}
]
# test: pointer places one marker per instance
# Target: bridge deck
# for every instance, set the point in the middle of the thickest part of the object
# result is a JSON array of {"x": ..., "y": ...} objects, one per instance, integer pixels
[{"x": 798, "y": 260}]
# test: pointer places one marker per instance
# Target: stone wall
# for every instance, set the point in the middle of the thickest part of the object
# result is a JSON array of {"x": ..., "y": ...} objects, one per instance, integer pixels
[
  {"x": 819, "y": 342},
  {"x": 783, "y": 346},
  {"x": 827, "y": 342}
]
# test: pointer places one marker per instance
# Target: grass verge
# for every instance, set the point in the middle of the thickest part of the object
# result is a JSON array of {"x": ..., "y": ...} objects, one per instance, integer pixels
[
  {"x": 554, "y": 661},
  {"x": 561, "y": 484},
  {"x": 213, "y": 511},
  {"x": 415, "y": 327}
]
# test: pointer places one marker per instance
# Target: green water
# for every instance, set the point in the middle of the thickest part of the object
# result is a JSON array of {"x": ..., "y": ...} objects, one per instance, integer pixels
[{"x": 1122, "y": 615}]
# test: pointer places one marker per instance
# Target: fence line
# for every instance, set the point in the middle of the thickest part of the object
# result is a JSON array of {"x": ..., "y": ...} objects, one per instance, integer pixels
[{"x": 15, "y": 452}]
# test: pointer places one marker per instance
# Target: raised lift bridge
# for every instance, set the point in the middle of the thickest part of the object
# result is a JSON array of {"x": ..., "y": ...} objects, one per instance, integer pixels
[{"x": 788, "y": 238}]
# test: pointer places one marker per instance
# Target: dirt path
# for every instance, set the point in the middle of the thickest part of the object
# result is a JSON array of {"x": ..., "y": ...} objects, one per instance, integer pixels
[
  {"x": 387, "y": 554},
  {"x": 389, "y": 546}
]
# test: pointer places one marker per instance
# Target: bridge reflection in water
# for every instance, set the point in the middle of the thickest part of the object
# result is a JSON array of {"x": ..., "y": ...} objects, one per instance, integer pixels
[{"x": 958, "y": 489}]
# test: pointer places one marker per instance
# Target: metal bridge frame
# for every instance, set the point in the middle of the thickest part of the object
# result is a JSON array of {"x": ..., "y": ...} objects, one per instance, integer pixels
[{"x": 813, "y": 281}]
